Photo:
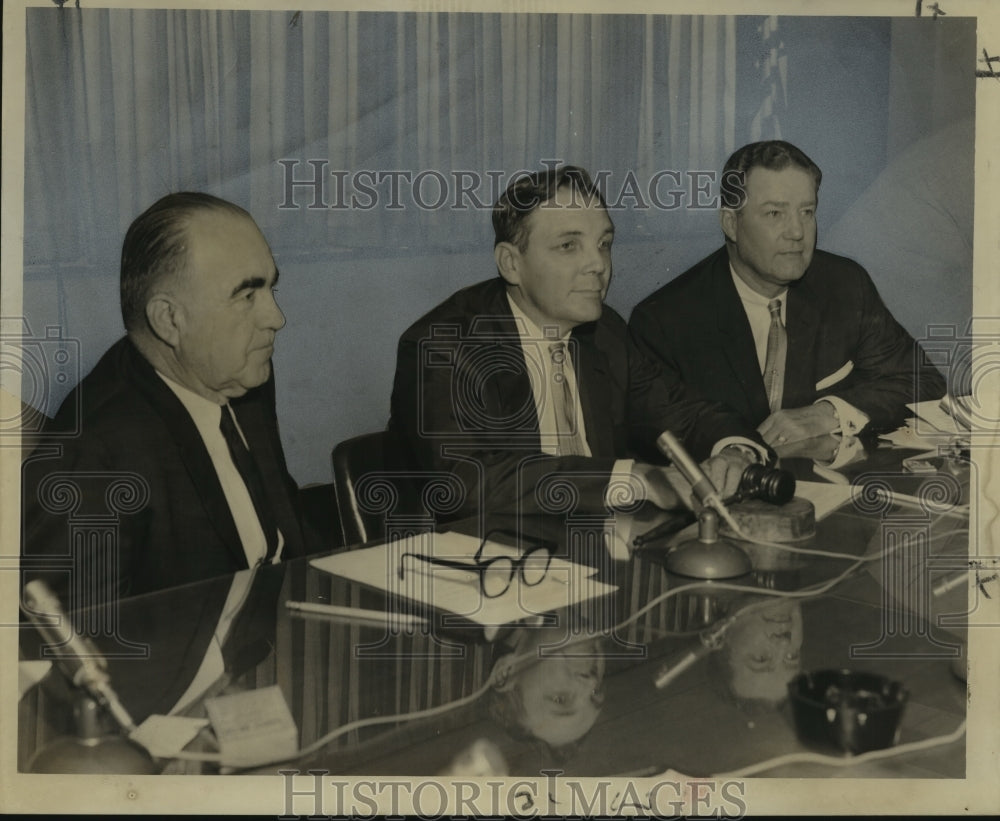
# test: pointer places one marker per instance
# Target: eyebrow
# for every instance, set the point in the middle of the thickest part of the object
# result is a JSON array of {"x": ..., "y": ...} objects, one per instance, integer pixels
[
  {"x": 786, "y": 203},
  {"x": 608, "y": 232},
  {"x": 253, "y": 283}
]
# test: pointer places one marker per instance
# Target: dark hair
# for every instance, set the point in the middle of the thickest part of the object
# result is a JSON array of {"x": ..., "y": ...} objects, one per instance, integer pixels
[
  {"x": 155, "y": 247},
  {"x": 775, "y": 155},
  {"x": 526, "y": 193}
]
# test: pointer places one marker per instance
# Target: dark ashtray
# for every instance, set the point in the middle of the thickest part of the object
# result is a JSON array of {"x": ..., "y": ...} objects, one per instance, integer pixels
[{"x": 853, "y": 712}]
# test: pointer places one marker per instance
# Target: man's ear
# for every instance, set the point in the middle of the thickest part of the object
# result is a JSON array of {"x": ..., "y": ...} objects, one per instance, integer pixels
[
  {"x": 728, "y": 219},
  {"x": 162, "y": 314},
  {"x": 508, "y": 259}
]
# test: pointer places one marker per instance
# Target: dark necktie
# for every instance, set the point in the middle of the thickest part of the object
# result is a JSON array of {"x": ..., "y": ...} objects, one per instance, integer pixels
[
  {"x": 568, "y": 432},
  {"x": 247, "y": 467},
  {"x": 774, "y": 365}
]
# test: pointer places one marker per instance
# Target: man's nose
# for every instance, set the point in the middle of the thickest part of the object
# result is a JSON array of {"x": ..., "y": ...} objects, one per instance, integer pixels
[
  {"x": 794, "y": 226},
  {"x": 273, "y": 317},
  {"x": 598, "y": 261}
]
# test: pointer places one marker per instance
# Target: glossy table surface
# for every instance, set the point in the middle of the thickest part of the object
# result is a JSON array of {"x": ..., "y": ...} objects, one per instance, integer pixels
[{"x": 575, "y": 690}]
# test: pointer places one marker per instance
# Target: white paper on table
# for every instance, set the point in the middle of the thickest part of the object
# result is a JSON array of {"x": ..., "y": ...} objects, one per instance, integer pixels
[
  {"x": 906, "y": 437},
  {"x": 165, "y": 736},
  {"x": 940, "y": 421},
  {"x": 825, "y": 497},
  {"x": 459, "y": 591},
  {"x": 29, "y": 673}
]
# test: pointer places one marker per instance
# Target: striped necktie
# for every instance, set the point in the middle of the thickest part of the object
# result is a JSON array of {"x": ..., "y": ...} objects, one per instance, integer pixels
[{"x": 774, "y": 365}]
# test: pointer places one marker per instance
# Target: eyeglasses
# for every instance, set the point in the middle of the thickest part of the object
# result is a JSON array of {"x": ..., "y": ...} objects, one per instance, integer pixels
[{"x": 495, "y": 572}]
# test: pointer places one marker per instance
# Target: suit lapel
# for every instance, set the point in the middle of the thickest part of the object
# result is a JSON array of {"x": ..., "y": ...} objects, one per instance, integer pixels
[
  {"x": 191, "y": 449},
  {"x": 590, "y": 365},
  {"x": 802, "y": 323},
  {"x": 738, "y": 346},
  {"x": 510, "y": 389}
]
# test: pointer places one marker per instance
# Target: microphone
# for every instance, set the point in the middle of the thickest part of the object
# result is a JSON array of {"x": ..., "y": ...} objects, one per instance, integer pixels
[
  {"x": 78, "y": 658},
  {"x": 701, "y": 485}
]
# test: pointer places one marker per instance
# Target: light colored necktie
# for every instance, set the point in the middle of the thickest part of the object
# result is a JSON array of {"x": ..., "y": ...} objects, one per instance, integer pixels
[
  {"x": 567, "y": 431},
  {"x": 774, "y": 365}
]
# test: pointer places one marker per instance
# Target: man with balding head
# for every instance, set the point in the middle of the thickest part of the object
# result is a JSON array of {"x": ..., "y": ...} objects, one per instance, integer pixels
[{"x": 179, "y": 416}]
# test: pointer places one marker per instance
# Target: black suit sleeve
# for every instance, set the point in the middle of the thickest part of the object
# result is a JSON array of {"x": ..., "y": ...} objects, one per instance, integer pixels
[
  {"x": 79, "y": 483},
  {"x": 660, "y": 401},
  {"x": 456, "y": 423},
  {"x": 888, "y": 365}
]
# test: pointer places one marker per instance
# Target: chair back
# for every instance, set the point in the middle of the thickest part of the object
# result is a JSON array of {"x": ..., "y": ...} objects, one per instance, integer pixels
[{"x": 372, "y": 481}]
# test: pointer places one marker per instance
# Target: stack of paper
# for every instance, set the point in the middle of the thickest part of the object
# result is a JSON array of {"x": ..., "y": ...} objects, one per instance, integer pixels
[
  {"x": 950, "y": 416},
  {"x": 459, "y": 591}
]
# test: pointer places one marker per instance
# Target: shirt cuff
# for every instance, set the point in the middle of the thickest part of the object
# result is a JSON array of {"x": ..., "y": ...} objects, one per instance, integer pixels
[
  {"x": 748, "y": 446},
  {"x": 850, "y": 421},
  {"x": 848, "y": 449},
  {"x": 614, "y": 498}
]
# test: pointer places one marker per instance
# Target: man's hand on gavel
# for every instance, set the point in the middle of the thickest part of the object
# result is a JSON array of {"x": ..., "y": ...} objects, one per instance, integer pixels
[
  {"x": 667, "y": 488},
  {"x": 725, "y": 469}
]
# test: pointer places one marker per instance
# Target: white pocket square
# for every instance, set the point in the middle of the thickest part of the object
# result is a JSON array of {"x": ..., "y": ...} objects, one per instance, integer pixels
[{"x": 836, "y": 376}]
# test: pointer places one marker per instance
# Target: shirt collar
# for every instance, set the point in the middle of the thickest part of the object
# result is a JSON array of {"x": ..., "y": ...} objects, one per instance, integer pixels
[
  {"x": 748, "y": 294},
  {"x": 203, "y": 411},
  {"x": 528, "y": 330}
]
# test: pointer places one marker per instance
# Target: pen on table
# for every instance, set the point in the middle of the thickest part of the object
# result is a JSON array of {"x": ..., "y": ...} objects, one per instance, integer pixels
[
  {"x": 671, "y": 525},
  {"x": 356, "y": 613},
  {"x": 426, "y": 569}
]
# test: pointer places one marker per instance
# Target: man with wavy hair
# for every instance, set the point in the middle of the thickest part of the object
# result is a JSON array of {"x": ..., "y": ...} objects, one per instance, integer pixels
[{"x": 529, "y": 378}]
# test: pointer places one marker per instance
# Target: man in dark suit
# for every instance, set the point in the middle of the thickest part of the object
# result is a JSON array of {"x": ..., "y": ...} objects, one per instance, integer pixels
[
  {"x": 173, "y": 436},
  {"x": 527, "y": 388},
  {"x": 795, "y": 339}
]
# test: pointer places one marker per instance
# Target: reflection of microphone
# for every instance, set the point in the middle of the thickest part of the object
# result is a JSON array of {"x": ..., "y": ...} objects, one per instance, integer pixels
[
  {"x": 711, "y": 640},
  {"x": 669, "y": 673},
  {"x": 76, "y": 655},
  {"x": 701, "y": 485}
]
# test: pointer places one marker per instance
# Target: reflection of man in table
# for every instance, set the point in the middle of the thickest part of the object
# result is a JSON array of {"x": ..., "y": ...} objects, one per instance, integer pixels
[
  {"x": 530, "y": 374},
  {"x": 182, "y": 407},
  {"x": 760, "y": 653},
  {"x": 795, "y": 339},
  {"x": 547, "y": 692}
]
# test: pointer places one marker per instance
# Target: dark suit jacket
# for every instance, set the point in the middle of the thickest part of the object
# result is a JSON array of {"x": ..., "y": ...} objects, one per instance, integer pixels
[
  {"x": 462, "y": 400},
  {"x": 123, "y": 422},
  {"x": 838, "y": 331}
]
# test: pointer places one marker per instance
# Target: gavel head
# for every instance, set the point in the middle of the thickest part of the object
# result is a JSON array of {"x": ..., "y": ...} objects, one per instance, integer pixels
[{"x": 766, "y": 483}]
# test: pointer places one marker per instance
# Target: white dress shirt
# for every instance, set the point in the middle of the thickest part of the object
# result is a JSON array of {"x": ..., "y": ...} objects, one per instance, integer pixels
[
  {"x": 206, "y": 417},
  {"x": 535, "y": 344}
]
